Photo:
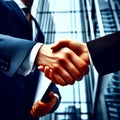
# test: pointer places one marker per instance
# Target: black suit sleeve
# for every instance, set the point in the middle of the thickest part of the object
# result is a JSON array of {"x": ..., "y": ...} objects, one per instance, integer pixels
[{"x": 105, "y": 53}]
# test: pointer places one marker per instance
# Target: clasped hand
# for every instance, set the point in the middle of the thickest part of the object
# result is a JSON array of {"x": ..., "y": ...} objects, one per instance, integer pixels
[{"x": 64, "y": 62}]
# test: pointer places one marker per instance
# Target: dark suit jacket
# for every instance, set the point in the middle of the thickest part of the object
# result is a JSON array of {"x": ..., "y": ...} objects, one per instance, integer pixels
[
  {"x": 16, "y": 92},
  {"x": 105, "y": 53}
]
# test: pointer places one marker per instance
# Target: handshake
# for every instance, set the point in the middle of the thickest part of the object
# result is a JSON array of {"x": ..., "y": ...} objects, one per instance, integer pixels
[
  {"x": 68, "y": 61},
  {"x": 65, "y": 62}
]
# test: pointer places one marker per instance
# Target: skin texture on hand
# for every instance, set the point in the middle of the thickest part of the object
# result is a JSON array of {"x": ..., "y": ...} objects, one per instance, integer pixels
[
  {"x": 39, "y": 109},
  {"x": 78, "y": 47},
  {"x": 66, "y": 65},
  {"x": 76, "y": 53}
]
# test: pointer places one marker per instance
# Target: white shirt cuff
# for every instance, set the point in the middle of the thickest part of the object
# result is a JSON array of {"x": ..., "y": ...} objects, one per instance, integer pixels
[{"x": 28, "y": 64}]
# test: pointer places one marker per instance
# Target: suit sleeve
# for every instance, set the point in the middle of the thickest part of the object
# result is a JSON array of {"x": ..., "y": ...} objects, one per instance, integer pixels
[
  {"x": 13, "y": 52},
  {"x": 105, "y": 53}
]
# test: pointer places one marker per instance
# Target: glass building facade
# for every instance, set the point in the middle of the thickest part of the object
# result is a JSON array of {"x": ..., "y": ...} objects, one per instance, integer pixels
[{"x": 95, "y": 97}]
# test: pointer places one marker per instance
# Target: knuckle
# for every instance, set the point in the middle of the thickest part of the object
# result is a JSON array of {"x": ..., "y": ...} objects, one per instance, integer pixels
[
  {"x": 72, "y": 82},
  {"x": 62, "y": 60},
  {"x": 67, "y": 51},
  {"x": 63, "y": 84},
  {"x": 55, "y": 67},
  {"x": 80, "y": 78},
  {"x": 85, "y": 69},
  {"x": 78, "y": 75}
]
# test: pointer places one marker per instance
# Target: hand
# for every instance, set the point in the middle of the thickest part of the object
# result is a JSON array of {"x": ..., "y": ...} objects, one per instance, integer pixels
[
  {"x": 78, "y": 47},
  {"x": 40, "y": 109},
  {"x": 66, "y": 65}
]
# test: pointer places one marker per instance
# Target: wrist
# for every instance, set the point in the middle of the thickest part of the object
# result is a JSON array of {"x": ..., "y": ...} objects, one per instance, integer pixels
[
  {"x": 86, "y": 53},
  {"x": 43, "y": 55},
  {"x": 37, "y": 60}
]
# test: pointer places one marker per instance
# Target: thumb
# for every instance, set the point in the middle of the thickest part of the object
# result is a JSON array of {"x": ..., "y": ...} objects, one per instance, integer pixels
[
  {"x": 60, "y": 44},
  {"x": 85, "y": 57},
  {"x": 52, "y": 99},
  {"x": 41, "y": 68}
]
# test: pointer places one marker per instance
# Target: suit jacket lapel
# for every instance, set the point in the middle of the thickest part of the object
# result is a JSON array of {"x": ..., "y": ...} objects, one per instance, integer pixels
[{"x": 13, "y": 7}]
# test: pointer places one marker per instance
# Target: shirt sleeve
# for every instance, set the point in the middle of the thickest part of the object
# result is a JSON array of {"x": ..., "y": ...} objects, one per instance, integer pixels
[{"x": 28, "y": 63}]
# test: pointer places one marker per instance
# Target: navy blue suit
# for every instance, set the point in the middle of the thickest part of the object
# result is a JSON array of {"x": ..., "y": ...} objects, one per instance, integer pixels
[{"x": 16, "y": 92}]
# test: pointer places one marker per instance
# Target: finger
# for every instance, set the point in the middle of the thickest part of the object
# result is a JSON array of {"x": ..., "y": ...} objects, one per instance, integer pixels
[
  {"x": 81, "y": 77},
  {"x": 52, "y": 99},
  {"x": 70, "y": 66},
  {"x": 33, "y": 111},
  {"x": 66, "y": 68},
  {"x": 49, "y": 74},
  {"x": 61, "y": 74},
  {"x": 71, "y": 71},
  {"x": 41, "y": 68},
  {"x": 39, "y": 109},
  {"x": 47, "y": 71},
  {"x": 79, "y": 63},
  {"x": 60, "y": 44},
  {"x": 59, "y": 80},
  {"x": 85, "y": 57},
  {"x": 54, "y": 77}
]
